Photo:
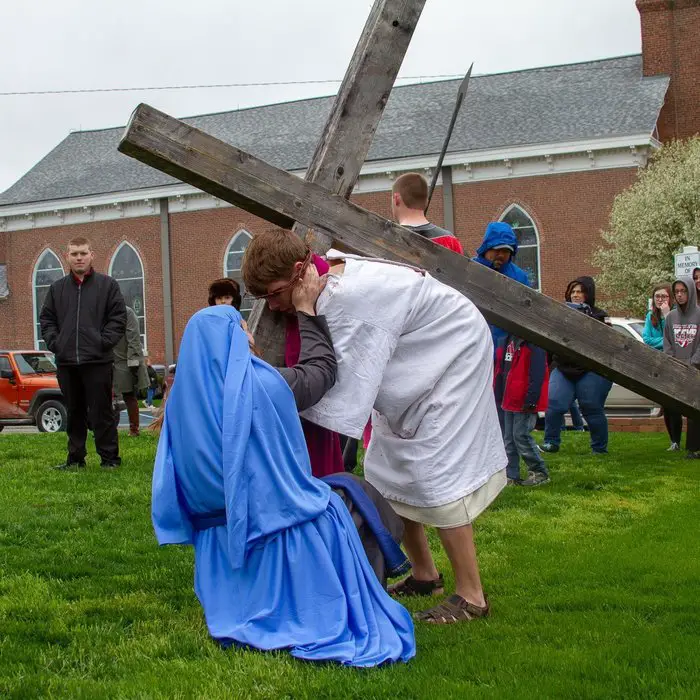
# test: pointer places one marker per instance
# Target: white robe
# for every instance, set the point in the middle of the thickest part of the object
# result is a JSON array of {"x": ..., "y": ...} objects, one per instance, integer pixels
[{"x": 420, "y": 354}]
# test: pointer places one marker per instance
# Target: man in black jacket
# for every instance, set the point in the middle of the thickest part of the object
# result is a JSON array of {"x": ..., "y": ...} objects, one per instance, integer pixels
[{"x": 82, "y": 319}]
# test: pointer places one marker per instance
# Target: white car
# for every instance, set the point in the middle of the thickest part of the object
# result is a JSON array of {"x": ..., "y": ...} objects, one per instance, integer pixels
[{"x": 621, "y": 401}]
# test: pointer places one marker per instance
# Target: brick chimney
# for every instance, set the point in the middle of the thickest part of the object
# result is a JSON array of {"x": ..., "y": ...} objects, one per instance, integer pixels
[{"x": 671, "y": 46}]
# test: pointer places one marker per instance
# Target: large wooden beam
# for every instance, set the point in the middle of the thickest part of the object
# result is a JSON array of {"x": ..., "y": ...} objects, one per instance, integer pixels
[
  {"x": 241, "y": 179},
  {"x": 348, "y": 133}
]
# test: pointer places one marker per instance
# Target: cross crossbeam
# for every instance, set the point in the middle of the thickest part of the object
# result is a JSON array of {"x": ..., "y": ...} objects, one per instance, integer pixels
[{"x": 282, "y": 198}]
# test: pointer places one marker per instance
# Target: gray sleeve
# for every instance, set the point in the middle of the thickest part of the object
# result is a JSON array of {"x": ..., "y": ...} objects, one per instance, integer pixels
[
  {"x": 668, "y": 335},
  {"x": 315, "y": 372}
]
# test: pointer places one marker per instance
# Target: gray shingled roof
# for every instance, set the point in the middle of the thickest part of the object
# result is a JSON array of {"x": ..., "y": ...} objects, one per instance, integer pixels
[{"x": 542, "y": 105}]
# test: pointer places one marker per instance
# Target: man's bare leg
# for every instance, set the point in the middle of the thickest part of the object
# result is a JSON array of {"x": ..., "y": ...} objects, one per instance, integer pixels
[
  {"x": 418, "y": 550},
  {"x": 459, "y": 546}
]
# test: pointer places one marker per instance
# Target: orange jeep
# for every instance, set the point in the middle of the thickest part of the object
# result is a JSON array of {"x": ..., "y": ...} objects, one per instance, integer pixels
[{"x": 29, "y": 391}]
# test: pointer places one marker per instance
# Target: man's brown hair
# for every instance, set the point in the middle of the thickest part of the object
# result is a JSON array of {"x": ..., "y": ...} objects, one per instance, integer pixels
[
  {"x": 270, "y": 257},
  {"x": 413, "y": 190},
  {"x": 80, "y": 240}
]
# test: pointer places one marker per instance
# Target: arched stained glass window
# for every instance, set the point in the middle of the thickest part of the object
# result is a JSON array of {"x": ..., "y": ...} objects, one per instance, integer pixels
[
  {"x": 232, "y": 266},
  {"x": 126, "y": 267},
  {"x": 528, "y": 257},
  {"x": 47, "y": 270}
]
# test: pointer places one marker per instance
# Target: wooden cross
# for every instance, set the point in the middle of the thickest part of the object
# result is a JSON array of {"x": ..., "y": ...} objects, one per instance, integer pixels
[{"x": 318, "y": 209}]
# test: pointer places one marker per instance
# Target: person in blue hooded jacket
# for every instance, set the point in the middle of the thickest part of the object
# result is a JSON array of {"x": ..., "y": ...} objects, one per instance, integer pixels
[
  {"x": 279, "y": 563},
  {"x": 497, "y": 251}
]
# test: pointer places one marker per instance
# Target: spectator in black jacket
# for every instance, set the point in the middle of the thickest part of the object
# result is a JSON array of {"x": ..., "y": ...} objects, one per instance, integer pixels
[{"x": 82, "y": 319}]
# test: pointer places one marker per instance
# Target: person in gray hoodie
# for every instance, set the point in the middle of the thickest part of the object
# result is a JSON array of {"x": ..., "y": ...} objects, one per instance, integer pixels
[{"x": 682, "y": 341}]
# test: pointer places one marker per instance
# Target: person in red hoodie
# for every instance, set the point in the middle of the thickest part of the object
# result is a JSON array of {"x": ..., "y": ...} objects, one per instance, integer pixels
[{"x": 521, "y": 384}]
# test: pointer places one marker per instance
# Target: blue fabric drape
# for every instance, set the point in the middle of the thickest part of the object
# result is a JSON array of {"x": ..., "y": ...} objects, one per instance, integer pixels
[
  {"x": 287, "y": 570},
  {"x": 396, "y": 560}
]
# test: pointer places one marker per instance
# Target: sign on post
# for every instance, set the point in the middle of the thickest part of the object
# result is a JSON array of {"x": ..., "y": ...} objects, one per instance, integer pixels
[{"x": 687, "y": 261}]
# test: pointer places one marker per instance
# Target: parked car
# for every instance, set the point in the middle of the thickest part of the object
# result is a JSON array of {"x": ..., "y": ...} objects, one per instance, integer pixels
[
  {"x": 29, "y": 391},
  {"x": 621, "y": 401}
]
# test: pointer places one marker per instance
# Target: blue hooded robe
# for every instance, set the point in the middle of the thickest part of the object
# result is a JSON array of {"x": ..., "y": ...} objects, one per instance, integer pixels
[
  {"x": 278, "y": 561},
  {"x": 500, "y": 233}
]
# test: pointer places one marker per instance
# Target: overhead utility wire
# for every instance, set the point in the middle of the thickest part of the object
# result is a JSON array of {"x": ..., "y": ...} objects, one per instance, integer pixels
[{"x": 198, "y": 87}]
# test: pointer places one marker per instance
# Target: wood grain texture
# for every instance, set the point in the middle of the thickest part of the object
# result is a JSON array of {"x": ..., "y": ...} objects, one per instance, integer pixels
[
  {"x": 349, "y": 130},
  {"x": 241, "y": 179}
]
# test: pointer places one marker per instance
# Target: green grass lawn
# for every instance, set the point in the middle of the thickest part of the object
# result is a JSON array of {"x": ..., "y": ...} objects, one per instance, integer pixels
[{"x": 594, "y": 582}]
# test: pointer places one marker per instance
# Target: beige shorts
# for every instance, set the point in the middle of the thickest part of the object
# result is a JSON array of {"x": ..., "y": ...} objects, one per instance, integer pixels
[{"x": 457, "y": 513}]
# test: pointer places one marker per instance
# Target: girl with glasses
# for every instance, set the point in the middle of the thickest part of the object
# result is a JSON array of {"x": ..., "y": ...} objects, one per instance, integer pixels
[{"x": 653, "y": 335}]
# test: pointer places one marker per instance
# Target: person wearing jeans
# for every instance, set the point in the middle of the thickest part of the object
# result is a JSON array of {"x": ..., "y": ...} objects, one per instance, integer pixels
[
  {"x": 569, "y": 381},
  {"x": 576, "y": 418},
  {"x": 591, "y": 390},
  {"x": 520, "y": 387}
]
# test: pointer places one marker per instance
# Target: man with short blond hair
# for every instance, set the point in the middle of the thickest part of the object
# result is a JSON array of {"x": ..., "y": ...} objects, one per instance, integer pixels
[
  {"x": 417, "y": 355},
  {"x": 83, "y": 318},
  {"x": 409, "y": 200}
]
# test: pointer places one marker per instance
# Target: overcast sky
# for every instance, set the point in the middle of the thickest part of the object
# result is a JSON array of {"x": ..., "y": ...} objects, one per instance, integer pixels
[{"x": 78, "y": 44}]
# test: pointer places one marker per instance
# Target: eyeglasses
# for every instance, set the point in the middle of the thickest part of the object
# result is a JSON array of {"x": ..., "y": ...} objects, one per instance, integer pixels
[
  {"x": 289, "y": 285},
  {"x": 661, "y": 296}
]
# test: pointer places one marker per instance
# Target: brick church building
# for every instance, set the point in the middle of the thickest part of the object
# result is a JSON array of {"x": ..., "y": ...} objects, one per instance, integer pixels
[{"x": 545, "y": 149}]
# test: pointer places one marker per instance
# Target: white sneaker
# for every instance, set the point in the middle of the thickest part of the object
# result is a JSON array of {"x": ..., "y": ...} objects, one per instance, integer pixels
[{"x": 674, "y": 447}]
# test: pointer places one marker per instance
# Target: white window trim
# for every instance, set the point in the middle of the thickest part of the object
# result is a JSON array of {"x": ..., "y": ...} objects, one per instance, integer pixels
[
  {"x": 236, "y": 236},
  {"x": 231, "y": 243},
  {"x": 131, "y": 279},
  {"x": 35, "y": 310},
  {"x": 505, "y": 213}
]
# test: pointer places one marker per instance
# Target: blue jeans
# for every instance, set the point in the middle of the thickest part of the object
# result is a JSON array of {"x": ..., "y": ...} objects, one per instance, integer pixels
[
  {"x": 517, "y": 436},
  {"x": 150, "y": 392},
  {"x": 576, "y": 418},
  {"x": 591, "y": 390}
]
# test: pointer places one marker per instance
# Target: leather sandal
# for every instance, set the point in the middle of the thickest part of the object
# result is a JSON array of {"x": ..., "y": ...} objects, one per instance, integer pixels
[
  {"x": 410, "y": 587},
  {"x": 454, "y": 609}
]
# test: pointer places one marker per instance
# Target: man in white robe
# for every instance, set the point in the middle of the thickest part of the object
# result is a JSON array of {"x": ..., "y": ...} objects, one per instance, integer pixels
[{"x": 419, "y": 355}]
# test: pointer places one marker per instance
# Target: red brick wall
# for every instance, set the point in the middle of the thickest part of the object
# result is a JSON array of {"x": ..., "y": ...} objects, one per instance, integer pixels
[
  {"x": 569, "y": 211},
  {"x": 671, "y": 46},
  {"x": 198, "y": 243},
  {"x": 25, "y": 247}
]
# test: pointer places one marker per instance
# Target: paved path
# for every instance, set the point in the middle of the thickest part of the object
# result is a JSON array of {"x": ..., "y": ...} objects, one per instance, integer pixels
[{"x": 146, "y": 419}]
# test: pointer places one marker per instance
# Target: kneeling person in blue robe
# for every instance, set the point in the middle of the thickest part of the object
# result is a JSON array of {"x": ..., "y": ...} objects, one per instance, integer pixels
[{"x": 278, "y": 561}]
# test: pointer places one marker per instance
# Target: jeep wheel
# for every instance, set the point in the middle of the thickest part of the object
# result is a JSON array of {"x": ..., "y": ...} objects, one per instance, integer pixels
[{"x": 51, "y": 417}]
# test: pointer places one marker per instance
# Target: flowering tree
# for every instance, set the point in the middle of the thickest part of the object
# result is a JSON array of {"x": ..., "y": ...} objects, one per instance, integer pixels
[{"x": 649, "y": 223}]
